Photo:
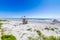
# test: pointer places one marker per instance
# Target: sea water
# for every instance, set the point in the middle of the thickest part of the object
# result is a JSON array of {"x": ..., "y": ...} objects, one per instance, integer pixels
[{"x": 30, "y": 19}]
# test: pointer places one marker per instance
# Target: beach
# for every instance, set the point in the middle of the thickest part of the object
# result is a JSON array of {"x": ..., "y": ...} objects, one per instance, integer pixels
[{"x": 23, "y": 31}]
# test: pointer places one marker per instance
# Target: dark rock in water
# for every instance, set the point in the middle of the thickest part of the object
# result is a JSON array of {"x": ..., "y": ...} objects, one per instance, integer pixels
[{"x": 56, "y": 21}]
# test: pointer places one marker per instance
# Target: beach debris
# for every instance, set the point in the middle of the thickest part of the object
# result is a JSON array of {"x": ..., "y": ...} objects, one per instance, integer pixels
[
  {"x": 29, "y": 29},
  {"x": 52, "y": 29},
  {"x": 8, "y": 37},
  {"x": 33, "y": 38},
  {"x": 39, "y": 32}
]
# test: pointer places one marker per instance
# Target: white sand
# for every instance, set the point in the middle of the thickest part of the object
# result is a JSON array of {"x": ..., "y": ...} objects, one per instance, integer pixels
[{"x": 20, "y": 31}]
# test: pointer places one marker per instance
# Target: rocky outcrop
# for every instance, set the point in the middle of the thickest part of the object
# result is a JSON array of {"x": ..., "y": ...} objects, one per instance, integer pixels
[{"x": 56, "y": 21}]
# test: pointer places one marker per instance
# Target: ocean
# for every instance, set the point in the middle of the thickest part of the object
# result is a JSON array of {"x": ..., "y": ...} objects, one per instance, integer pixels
[{"x": 30, "y": 19}]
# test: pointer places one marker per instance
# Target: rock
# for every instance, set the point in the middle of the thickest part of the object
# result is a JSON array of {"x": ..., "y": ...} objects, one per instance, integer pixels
[{"x": 56, "y": 21}]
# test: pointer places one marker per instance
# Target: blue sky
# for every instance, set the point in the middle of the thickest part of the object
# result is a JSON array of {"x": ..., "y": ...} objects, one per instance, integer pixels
[{"x": 30, "y": 8}]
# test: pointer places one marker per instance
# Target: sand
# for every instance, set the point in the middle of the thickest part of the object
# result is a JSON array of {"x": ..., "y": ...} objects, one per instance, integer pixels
[{"x": 21, "y": 32}]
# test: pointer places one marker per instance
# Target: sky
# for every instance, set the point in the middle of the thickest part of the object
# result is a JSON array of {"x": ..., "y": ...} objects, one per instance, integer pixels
[{"x": 30, "y": 8}]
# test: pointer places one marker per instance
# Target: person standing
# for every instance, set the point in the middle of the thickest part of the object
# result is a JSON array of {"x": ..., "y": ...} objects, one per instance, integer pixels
[{"x": 24, "y": 20}]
